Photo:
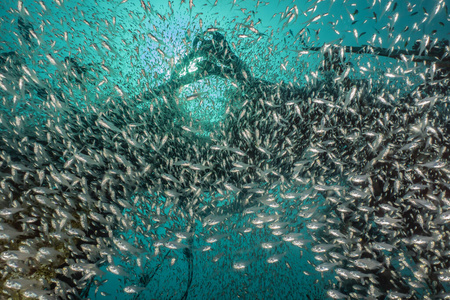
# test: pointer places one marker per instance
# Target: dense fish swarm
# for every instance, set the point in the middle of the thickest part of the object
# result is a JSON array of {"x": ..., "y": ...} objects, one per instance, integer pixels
[{"x": 339, "y": 179}]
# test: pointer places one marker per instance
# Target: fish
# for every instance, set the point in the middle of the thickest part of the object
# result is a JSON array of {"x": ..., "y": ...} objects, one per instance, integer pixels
[
  {"x": 279, "y": 145},
  {"x": 133, "y": 289},
  {"x": 276, "y": 258}
]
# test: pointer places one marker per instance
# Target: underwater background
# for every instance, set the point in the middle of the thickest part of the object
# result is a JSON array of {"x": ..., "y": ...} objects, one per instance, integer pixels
[{"x": 324, "y": 174}]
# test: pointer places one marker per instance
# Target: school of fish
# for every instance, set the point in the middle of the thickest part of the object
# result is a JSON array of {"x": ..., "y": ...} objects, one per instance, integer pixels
[{"x": 341, "y": 179}]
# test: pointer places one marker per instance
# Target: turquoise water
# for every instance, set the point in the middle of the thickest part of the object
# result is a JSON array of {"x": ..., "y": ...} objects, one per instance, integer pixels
[{"x": 238, "y": 192}]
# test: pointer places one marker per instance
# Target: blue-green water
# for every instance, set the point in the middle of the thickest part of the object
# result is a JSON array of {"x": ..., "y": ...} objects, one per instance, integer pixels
[{"x": 272, "y": 188}]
